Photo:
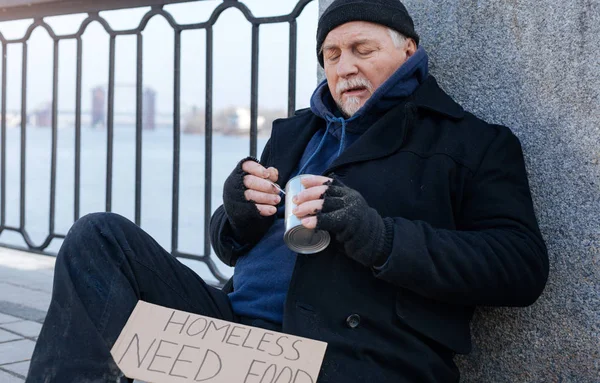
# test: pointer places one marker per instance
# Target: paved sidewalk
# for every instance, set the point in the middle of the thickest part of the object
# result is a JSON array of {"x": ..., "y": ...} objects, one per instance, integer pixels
[
  {"x": 25, "y": 288},
  {"x": 25, "y": 291}
]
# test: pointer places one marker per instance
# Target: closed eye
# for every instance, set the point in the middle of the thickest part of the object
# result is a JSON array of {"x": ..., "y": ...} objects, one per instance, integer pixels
[
  {"x": 365, "y": 51},
  {"x": 332, "y": 56}
]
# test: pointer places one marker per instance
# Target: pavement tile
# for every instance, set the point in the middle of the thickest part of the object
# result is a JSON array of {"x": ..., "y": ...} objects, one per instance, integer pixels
[
  {"x": 30, "y": 271},
  {"x": 22, "y": 260},
  {"x": 21, "y": 368},
  {"x": 30, "y": 280},
  {"x": 16, "y": 351},
  {"x": 5, "y": 377},
  {"x": 25, "y": 328},
  {"x": 6, "y": 336},
  {"x": 8, "y": 318},
  {"x": 21, "y": 295},
  {"x": 21, "y": 312}
]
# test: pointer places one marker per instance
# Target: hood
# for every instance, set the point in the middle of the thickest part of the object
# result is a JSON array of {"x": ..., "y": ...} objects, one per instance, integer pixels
[{"x": 395, "y": 89}]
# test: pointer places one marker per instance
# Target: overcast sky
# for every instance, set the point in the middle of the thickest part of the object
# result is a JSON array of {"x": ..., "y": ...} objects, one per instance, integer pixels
[{"x": 232, "y": 47}]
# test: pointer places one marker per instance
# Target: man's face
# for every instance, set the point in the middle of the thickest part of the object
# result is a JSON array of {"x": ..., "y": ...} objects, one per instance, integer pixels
[{"x": 358, "y": 57}]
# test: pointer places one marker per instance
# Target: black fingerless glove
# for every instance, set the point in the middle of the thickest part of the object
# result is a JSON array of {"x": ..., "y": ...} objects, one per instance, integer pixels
[
  {"x": 246, "y": 222},
  {"x": 365, "y": 236}
]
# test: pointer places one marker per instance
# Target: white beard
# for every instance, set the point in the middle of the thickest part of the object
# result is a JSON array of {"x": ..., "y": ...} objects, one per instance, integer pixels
[{"x": 350, "y": 106}]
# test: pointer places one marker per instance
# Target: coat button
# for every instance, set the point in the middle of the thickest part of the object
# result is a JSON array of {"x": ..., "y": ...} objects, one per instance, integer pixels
[{"x": 353, "y": 320}]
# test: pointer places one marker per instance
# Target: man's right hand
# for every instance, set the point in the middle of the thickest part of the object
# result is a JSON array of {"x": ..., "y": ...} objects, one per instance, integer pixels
[
  {"x": 259, "y": 187},
  {"x": 249, "y": 199}
]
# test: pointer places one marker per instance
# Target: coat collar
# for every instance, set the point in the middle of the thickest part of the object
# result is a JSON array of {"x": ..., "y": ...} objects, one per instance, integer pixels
[
  {"x": 387, "y": 134},
  {"x": 290, "y": 136},
  {"x": 429, "y": 96}
]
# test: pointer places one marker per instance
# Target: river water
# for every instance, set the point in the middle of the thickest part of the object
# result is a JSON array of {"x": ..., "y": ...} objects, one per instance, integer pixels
[{"x": 157, "y": 182}]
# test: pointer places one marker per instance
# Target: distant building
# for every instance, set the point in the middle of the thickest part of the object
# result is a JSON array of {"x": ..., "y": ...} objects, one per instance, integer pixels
[
  {"x": 98, "y": 107},
  {"x": 237, "y": 120},
  {"x": 42, "y": 116},
  {"x": 193, "y": 121},
  {"x": 149, "y": 109},
  {"x": 13, "y": 120},
  {"x": 233, "y": 120}
]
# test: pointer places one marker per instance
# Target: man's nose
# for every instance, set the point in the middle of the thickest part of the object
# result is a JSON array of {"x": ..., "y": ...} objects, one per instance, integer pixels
[{"x": 346, "y": 66}]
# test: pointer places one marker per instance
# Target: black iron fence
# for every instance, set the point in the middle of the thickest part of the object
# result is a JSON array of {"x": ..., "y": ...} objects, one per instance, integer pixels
[{"x": 37, "y": 10}]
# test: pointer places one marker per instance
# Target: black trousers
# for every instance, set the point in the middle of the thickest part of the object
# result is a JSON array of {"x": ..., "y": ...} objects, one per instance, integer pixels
[{"x": 105, "y": 265}]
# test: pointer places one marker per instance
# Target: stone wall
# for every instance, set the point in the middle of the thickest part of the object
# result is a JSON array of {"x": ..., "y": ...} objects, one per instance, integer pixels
[{"x": 535, "y": 67}]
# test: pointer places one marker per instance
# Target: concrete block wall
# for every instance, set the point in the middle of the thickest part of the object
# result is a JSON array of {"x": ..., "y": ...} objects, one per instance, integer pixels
[{"x": 534, "y": 66}]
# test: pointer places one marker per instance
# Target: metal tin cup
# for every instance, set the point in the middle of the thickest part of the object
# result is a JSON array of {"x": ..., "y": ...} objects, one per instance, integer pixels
[{"x": 298, "y": 238}]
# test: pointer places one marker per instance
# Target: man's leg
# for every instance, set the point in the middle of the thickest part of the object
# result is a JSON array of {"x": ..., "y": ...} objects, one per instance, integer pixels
[{"x": 105, "y": 265}]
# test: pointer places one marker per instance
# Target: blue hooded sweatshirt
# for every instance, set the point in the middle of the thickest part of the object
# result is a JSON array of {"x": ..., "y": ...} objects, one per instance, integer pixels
[{"x": 261, "y": 277}]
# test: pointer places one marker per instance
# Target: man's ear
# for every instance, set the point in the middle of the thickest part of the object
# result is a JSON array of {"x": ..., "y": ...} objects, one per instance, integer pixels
[{"x": 410, "y": 47}]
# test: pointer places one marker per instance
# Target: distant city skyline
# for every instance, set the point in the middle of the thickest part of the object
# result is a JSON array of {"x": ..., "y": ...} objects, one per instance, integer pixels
[{"x": 231, "y": 75}]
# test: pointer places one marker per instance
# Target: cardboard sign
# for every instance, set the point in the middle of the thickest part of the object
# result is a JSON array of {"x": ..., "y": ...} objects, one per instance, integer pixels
[{"x": 159, "y": 345}]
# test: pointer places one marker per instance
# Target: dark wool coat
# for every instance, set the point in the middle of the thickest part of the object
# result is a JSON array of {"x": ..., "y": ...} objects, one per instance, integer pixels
[{"x": 465, "y": 235}]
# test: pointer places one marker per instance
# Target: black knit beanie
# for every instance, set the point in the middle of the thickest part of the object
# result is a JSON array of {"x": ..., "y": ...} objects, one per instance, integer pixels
[{"x": 390, "y": 13}]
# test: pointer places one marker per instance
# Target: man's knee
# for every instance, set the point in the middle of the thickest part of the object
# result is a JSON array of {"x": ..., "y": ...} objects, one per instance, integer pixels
[
  {"x": 97, "y": 223},
  {"x": 96, "y": 231}
]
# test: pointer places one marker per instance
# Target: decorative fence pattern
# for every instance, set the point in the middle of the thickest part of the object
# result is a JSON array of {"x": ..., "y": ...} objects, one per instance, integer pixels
[{"x": 37, "y": 11}]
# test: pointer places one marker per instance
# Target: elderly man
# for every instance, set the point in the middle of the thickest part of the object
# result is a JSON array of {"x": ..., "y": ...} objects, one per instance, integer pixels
[{"x": 428, "y": 208}]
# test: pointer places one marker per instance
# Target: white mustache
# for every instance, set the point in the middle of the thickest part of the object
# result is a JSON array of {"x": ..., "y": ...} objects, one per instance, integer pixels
[{"x": 356, "y": 82}]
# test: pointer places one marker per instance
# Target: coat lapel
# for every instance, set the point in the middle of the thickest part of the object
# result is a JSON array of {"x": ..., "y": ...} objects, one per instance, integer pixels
[
  {"x": 383, "y": 138},
  {"x": 387, "y": 134},
  {"x": 289, "y": 139}
]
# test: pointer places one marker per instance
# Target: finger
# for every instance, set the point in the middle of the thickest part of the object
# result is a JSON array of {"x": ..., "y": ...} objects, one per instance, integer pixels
[
  {"x": 273, "y": 174},
  {"x": 310, "y": 222},
  {"x": 311, "y": 181},
  {"x": 314, "y": 193},
  {"x": 262, "y": 198},
  {"x": 308, "y": 208},
  {"x": 333, "y": 203},
  {"x": 265, "y": 210},
  {"x": 256, "y": 169},
  {"x": 337, "y": 191},
  {"x": 259, "y": 184},
  {"x": 330, "y": 221}
]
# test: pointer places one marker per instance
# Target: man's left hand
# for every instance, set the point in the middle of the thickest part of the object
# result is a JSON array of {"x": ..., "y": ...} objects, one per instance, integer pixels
[{"x": 328, "y": 204}]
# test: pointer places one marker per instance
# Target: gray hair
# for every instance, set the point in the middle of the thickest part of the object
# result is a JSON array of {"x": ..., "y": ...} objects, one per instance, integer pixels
[{"x": 398, "y": 38}]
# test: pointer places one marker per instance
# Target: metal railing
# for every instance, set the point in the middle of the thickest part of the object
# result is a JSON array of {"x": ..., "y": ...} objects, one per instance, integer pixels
[{"x": 43, "y": 8}]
